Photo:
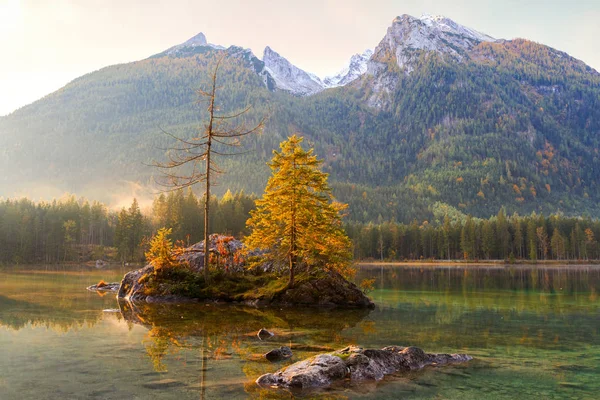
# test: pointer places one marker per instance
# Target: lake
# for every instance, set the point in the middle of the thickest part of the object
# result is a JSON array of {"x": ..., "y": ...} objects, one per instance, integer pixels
[{"x": 534, "y": 333}]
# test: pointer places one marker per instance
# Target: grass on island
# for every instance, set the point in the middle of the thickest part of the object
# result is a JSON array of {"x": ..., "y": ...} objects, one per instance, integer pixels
[
  {"x": 222, "y": 285},
  {"x": 180, "y": 281}
]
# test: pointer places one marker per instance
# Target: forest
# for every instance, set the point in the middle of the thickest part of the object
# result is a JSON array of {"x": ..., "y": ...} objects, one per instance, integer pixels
[{"x": 74, "y": 229}]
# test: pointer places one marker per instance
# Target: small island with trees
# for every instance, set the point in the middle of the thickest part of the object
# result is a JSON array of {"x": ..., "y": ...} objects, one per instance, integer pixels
[{"x": 296, "y": 254}]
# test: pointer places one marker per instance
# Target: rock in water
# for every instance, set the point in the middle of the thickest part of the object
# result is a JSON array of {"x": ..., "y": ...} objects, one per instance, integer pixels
[
  {"x": 105, "y": 287},
  {"x": 280, "y": 354},
  {"x": 131, "y": 288},
  {"x": 328, "y": 289},
  {"x": 354, "y": 363},
  {"x": 264, "y": 334}
]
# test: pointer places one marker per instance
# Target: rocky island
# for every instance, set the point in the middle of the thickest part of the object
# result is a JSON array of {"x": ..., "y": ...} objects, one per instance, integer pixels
[{"x": 233, "y": 282}]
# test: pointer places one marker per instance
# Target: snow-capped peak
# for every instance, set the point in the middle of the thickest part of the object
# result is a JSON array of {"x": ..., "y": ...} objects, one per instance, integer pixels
[
  {"x": 447, "y": 25},
  {"x": 197, "y": 41},
  {"x": 289, "y": 77},
  {"x": 356, "y": 67},
  {"x": 428, "y": 33},
  {"x": 407, "y": 39}
]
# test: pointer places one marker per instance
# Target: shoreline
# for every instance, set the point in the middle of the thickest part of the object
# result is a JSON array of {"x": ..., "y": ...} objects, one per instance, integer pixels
[{"x": 487, "y": 263}]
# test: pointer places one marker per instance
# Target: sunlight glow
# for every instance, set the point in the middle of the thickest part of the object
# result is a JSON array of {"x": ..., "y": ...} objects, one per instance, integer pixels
[{"x": 10, "y": 15}]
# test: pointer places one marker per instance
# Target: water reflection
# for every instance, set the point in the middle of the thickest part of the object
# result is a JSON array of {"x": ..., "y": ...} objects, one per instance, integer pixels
[
  {"x": 532, "y": 330},
  {"x": 224, "y": 328},
  {"x": 569, "y": 279}
]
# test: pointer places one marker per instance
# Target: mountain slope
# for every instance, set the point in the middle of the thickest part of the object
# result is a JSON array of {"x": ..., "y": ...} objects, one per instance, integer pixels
[
  {"x": 443, "y": 115},
  {"x": 288, "y": 77}
]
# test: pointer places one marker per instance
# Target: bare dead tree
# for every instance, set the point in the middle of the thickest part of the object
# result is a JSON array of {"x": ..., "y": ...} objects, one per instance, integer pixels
[{"x": 198, "y": 154}]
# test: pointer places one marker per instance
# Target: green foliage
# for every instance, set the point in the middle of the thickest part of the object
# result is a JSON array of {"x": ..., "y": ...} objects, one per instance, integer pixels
[
  {"x": 61, "y": 230},
  {"x": 130, "y": 229},
  {"x": 181, "y": 281},
  {"x": 532, "y": 237},
  {"x": 75, "y": 230}
]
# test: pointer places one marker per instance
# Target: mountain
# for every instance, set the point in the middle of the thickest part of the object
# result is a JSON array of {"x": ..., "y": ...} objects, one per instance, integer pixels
[
  {"x": 443, "y": 119},
  {"x": 288, "y": 77},
  {"x": 354, "y": 70},
  {"x": 408, "y": 39},
  {"x": 197, "y": 41}
]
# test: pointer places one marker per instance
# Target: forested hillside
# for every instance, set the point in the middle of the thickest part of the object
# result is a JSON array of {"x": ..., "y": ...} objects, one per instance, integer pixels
[{"x": 513, "y": 124}]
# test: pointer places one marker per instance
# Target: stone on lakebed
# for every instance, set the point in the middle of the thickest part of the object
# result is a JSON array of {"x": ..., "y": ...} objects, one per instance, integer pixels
[{"x": 355, "y": 363}]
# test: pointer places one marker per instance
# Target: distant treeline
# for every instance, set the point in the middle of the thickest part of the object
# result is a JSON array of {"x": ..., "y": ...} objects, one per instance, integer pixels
[
  {"x": 75, "y": 230},
  {"x": 532, "y": 237}
]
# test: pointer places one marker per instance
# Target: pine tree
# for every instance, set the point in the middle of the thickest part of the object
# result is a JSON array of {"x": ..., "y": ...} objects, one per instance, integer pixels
[
  {"x": 532, "y": 238},
  {"x": 447, "y": 232},
  {"x": 297, "y": 220},
  {"x": 487, "y": 244},
  {"x": 503, "y": 234}
]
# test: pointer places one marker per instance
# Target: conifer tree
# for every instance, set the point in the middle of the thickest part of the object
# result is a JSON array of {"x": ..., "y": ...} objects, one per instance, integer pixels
[{"x": 297, "y": 219}]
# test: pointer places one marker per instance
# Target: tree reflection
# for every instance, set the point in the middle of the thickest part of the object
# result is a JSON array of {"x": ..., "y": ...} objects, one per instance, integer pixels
[{"x": 223, "y": 331}]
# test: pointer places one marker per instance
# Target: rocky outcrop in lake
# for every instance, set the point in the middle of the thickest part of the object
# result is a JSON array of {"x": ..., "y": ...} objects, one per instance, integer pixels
[
  {"x": 319, "y": 289},
  {"x": 324, "y": 289},
  {"x": 356, "y": 364}
]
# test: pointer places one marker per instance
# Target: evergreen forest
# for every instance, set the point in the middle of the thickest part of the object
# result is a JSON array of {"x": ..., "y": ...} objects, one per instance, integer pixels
[{"x": 76, "y": 230}]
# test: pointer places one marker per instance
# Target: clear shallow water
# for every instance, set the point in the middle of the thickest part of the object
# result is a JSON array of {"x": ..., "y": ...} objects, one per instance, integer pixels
[{"x": 534, "y": 333}]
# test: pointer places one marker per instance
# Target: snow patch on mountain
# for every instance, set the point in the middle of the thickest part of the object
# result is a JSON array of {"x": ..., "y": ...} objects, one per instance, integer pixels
[
  {"x": 288, "y": 77},
  {"x": 408, "y": 34},
  {"x": 356, "y": 67},
  {"x": 447, "y": 25}
]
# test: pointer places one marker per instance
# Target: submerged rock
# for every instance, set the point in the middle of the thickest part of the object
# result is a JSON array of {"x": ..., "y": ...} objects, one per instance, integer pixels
[
  {"x": 356, "y": 364},
  {"x": 105, "y": 287},
  {"x": 264, "y": 334},
  {"x": 280, "y": 354},
  {"x": 163, "y": 384}
]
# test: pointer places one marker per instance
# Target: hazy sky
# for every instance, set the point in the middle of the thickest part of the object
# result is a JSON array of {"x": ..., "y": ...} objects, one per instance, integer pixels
[{"x": 46, "y": 43}]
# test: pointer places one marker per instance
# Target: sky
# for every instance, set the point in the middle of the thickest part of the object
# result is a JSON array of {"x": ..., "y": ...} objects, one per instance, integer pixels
[{"x": 44, "y": 44}]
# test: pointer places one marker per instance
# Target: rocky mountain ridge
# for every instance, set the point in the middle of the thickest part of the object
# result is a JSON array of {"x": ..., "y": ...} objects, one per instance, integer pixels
[{"x": 403, "y": 41}]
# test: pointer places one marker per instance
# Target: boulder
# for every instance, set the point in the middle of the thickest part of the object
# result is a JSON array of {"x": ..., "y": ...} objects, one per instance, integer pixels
[
  {"x": 324, "y": 289},
  {"x": 225, "y": 247},
  {"x": 131, "y": 288},
  {"x": 280, "y": 354},
  {"x": 356, "y": 364}
]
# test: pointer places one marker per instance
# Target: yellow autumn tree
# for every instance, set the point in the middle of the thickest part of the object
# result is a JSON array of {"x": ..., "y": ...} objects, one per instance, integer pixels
[
  {"x": 297, "y": 220},
  {"x": 160, "y": 254}
]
